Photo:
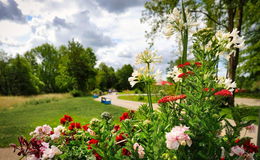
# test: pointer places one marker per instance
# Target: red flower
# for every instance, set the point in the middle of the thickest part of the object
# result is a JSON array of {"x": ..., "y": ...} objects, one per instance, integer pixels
[
  {"x": 85, "y": 127},
  {"x": 78, "y": 126},
  {"x": 237, "y": 140},
  {"x": 124, "y": 116},
  {"x": 116, "y": 128},
  {"x": 68, "y": 118},
  {"x": 182, "y": 75},
  {"x": 120, "y": 137},
  {"x": 171, "y": 98},
  {"x": 224, "y": 93},
  {"x": 70, "y": 128},
  {"x": 186, "y": 64},
  {"x": 181, "y": 66},
  {"x": 198, "y": 64},
  {"x": 98, "y": 157},
  {"x": 51, "y": 132},
  {"x": 207, "y": 89},
  {"x": 63, "y": 121},
  {"x": 125, "y": 152},
  {"x": 93, "y": 141},
  {"x": 250, "y": 147}
]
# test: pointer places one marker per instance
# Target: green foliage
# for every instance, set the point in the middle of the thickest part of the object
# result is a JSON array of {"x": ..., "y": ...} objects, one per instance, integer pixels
[
  {"x": 80, "y": 64},
  {"x": 18, "y": 78},
  {"x": 47, "y": 66},
  {"x": 77, "y": 93},
  {"x": 105, "y": 78},
  {"x": 122, "y": 75}
]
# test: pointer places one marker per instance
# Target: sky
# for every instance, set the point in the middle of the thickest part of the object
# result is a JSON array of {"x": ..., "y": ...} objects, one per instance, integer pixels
[{"x": 111, "y": 27}]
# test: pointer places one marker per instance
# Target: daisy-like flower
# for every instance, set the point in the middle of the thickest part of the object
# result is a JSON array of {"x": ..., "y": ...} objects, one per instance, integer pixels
[
  {"x": 174, "y": 74},
  {"x": 147, "y": 57},
  {"x": 144, "y": 75},
  {"x": 178, "y": 137},
  {"x": 227, "y": 83}
]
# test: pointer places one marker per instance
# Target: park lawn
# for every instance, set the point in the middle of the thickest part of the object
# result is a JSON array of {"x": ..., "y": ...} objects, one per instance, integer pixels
[
  {"x": 138, "y": 98},
  {"x": 22, "y": 119}
]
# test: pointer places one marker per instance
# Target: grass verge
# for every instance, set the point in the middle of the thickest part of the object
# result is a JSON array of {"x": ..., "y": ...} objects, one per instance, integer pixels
[
  {"x": 138, "y": 98},
  {"x": 22, "y": 119}
]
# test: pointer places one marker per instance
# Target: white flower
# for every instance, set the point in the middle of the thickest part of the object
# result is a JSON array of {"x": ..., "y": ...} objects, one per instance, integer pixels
[
  {"x": 147, "y": 57},
  {"x": 134, "y": 79},
  {"x": 139, "y": 149},
  {"x": 174, "y": 74},
  {"x": 178, "y": 137},
  {"x": 227, "y": 83},
  {"x": 57, "y": 131}
]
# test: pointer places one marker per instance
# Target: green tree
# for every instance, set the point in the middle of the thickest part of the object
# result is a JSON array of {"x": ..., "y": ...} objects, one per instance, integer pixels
[
  {"x": 20, "y": 74},
  {"x": 249, "y": 68},
  {"x": 122, "y": 76},
  {"x": 45, "y": 61},
  {"x": 80, "y": 65},
  {"x": 105, "y": 77}
]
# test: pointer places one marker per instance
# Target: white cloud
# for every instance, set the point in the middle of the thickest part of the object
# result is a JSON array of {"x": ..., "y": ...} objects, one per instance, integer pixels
[{"x": 115, "y": 34}]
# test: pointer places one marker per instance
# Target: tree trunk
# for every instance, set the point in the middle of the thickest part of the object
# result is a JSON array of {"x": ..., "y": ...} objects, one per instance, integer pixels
[{"x": 233, "y": 61}]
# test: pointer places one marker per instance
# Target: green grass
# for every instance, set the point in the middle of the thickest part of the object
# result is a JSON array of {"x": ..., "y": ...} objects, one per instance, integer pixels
[
  {"x": 138, "y": 98},
  {"x": 22, "y": 119},
  {"x": 248, "y": 95},
  {"x": 127, "y": 92}
]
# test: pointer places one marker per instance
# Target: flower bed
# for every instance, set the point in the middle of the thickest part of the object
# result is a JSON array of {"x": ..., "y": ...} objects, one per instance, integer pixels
[{"x": 187, "y": 126}]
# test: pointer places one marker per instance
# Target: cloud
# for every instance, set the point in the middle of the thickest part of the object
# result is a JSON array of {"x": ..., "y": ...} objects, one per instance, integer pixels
[
  {"x": 10, "y": 11},
  {"x": 118, "y": 6}
]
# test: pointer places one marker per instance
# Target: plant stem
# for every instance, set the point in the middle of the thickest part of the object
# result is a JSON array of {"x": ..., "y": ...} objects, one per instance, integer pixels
[{"x": 149, "y": 90}]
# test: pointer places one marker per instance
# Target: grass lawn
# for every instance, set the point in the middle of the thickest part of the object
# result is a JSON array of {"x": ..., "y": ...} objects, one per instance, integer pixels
[
  {"x": 22, "y": 119},
  {"x": 138, "y": 98}
]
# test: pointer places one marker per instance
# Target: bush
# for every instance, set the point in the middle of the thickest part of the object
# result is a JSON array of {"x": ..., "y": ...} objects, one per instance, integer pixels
[{"x": 77, "y": 93}]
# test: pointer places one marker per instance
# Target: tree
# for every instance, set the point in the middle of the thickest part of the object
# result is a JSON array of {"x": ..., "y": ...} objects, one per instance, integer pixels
[
  {"x": 106, "y": 77},
  {"x": 80, "y": 65},
  {"x": 122, "y": 76},
  {"x": 47, "y": 66},
  {"x": 20, "y": 74},
  {"x": 249, "y": 68}
]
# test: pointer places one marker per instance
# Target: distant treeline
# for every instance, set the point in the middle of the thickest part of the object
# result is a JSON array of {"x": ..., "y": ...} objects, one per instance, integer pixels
[{"x": 47, "y": 69}]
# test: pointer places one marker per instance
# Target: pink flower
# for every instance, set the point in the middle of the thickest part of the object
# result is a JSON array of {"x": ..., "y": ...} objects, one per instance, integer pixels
[
  {"x": 177, "y": 137},
  {"x": 236, "y": 150},
  {"x": 251, "y": 128},
  {"x": 139, "y": 149},
  {"x": 49, "y": 153},
  {"x": 41, "y": 131}
]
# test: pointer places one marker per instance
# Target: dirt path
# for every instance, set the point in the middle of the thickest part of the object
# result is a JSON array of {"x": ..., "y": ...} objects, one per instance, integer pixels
[{"x": 7, "y": 154}]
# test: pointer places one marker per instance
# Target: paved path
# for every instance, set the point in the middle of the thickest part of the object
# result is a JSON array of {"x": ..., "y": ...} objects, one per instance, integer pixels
[{"x": 131, "y": 105}]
